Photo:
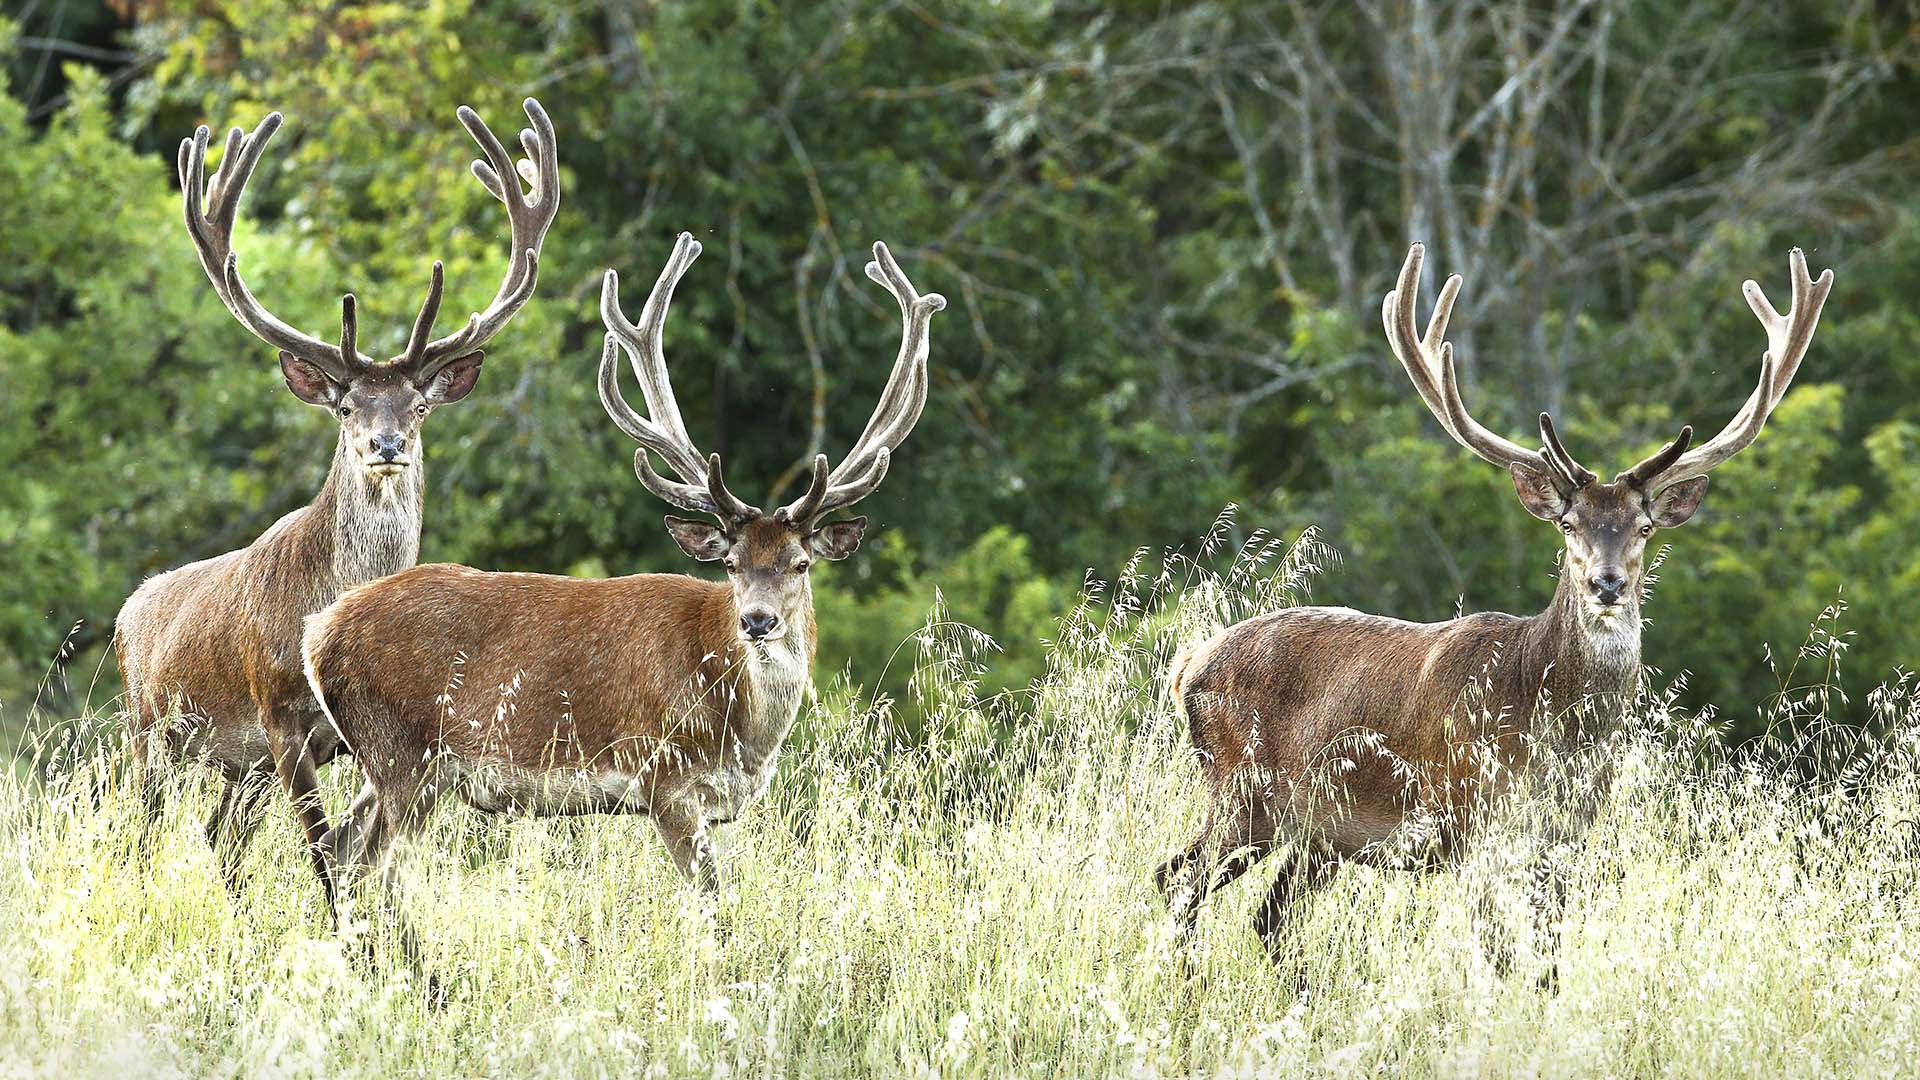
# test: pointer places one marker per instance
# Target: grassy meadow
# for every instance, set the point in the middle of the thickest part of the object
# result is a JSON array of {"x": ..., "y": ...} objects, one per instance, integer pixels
[{"x": 971, "y": 895}]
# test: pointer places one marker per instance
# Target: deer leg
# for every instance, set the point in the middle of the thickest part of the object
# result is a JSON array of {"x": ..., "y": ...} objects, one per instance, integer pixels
[
  {"x": 1546, "y": 888},
  {"x": 359, "y": 846},
  {"x": 148, "y": 787},
  {"x": 222, "y": 810},
  {"x": 1173, "y": 879},
  {"x": 343, "y": 842},
  {"x": 1549, "y": 900},
  {"x": 684, "y": 830},
  {"x": 144, "y": 771},
  {"x": 358, "y": 843},
  {"x": 403, "y": 932},
  {"x": 1310, "y": 867},
  {"x": 375, "y": 853},
  {"x": 232, "y": 825},
  {"x": 293, "y": 760},
  {"x": 1236, "y": 836},
  {"x": 386, "y": 813},
  {"x": 409, "y": 812}
]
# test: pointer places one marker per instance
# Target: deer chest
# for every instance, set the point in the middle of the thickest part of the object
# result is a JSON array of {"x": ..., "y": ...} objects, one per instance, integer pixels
[{"x": 754, "y": 734}]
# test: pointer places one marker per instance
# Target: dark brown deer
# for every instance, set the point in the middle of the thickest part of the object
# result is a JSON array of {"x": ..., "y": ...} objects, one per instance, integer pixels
[
  {"x": 210, "y": 652},
  {"x": 658, "y": 694},
  {"x": 1344, "y": 736}
]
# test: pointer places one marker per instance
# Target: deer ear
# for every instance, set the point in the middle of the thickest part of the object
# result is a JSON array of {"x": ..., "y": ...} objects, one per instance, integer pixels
[
  {"x": 309, "y": 383},
  {"x": 837, "y": 540},
  {"x": 1677, "y": 502},
  {"x": 453, "y": 382},
  {"x": 702, "y": 541},
  {"x": 1538, "y": 493}
]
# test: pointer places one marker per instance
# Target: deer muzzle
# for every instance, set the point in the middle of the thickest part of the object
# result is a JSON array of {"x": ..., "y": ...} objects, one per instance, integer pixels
[
  {"x": 759, "y": 624},
  {"x": 1608, "y": 586},
  {"x": 387, "y": 453}
]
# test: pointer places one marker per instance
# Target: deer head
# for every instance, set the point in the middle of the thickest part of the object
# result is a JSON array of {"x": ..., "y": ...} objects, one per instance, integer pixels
[
  {"x": 1605, "y": 525},
  {"x": 767, "y": 556},
  {"x": 379, "y": 405}
]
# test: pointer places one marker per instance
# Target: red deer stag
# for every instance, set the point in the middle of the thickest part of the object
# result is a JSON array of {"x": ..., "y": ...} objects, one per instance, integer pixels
[
  {"x": 210, "y": 652},
  {"x": 1410, "y": 710},
  {"x": 659, "y": 694}
]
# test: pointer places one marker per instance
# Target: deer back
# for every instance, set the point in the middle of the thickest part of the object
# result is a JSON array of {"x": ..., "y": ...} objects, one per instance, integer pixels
[
  {"x": 532, "y": 670},
  {"x": 1380, "y": 701}
]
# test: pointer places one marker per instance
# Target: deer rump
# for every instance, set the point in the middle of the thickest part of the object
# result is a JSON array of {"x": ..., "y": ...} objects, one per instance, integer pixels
[
  {"x": 194, "y": 661},
  {"x": 547, "y": 694}
]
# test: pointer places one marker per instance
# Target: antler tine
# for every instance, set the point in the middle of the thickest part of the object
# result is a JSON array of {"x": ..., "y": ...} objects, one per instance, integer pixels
[
  {"x": 349, "y": 326},
  {"x": 702, "y": 486},
  {"x": 712, "y": 498},
  {"x": 906, "y": 392},
  {"x": 648, "y": 435},
  {"x": 807, "y": 507},
  {"x": 899, "y": 408},
  {"x": 1414, "y": 353},
  {"x": 211, "y": 205},
  {"x": 1474, "y": 436},
  {"x": 645, "y": 348},
  {"x": 1428, "y": 360},
  {"x": 1556, "y": 454},
  {"x": 529, "y": 215},
  {"x": 1659, "y": 461},
  {"x": 730, "y": 507},
  {"x": 1788, "y": 337},
  {"x": 423, "y": 322}
]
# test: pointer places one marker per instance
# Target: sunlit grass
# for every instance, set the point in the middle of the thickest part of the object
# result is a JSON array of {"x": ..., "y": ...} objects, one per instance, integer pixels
[{"x": 973, "y": 897}]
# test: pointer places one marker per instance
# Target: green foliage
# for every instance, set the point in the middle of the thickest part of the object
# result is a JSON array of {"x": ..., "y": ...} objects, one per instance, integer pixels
[
  {"x": 123, "y": 446},
  {"x": 1761, "y": 554},
  {"x": 993, "y": 583},
  {"x": 1147, "y": 319}
]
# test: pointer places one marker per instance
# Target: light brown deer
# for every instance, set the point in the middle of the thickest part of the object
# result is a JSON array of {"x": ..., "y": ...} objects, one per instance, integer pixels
[
  {"x": 210, "y": 652},
  {"x": 1344, "y": 736},
  {"x": 658, "y": 694}
]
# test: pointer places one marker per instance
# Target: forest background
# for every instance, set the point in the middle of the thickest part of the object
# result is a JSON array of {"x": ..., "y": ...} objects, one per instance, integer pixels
[{"x": 1164, "y": 231}]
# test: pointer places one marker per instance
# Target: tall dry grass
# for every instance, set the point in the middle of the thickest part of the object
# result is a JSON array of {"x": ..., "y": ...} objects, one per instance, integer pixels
[{"x": 969, "y": 894}]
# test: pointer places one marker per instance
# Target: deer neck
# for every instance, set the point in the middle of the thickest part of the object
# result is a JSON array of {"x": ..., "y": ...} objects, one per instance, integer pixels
[
  {"x": 774, "y": 677},
  {"x": 372, "y": 522},
  {"x": 1579, "y": 655}
]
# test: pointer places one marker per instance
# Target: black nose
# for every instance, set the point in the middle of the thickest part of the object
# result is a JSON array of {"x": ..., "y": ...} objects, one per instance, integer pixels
[
  {"x": 758, "y": 624},
  {"x": 389, "y": 445},
  {"x": 1608, "y": 585}
]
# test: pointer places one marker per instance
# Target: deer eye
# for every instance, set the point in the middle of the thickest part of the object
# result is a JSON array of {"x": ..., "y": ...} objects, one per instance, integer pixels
[
  {"x": 345, "y": 411},
  {"x": 1647, "y": 529},
  {"x": 420, "y": 409},
  {"x": 1567, "y": 527},
  {"x": 733, "y": 566},
  {"x": 801, "y": 566}
]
